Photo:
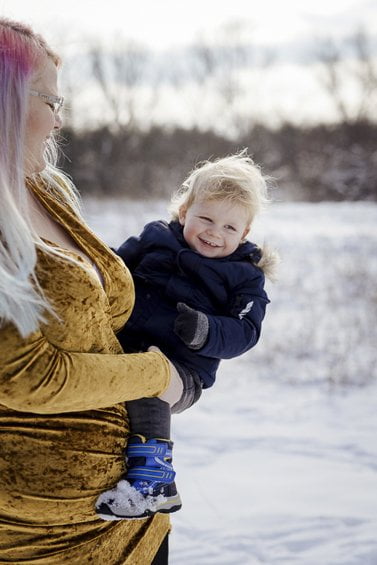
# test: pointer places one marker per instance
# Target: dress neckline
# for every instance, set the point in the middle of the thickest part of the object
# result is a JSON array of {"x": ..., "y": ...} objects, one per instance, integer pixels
[{"x": 75, "y": 228}]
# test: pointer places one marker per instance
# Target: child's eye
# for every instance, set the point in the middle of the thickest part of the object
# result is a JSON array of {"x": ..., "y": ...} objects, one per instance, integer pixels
[
  {"x": 229, "y": 227},
  {"x": 205, "y": 218}
]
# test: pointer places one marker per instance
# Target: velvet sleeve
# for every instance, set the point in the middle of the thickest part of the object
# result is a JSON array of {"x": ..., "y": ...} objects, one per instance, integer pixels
[{"x": 38, "y": 377}]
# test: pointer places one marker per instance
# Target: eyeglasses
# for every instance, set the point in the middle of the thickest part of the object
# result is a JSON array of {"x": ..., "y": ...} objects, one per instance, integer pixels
[{"x": 56, "y": 101}]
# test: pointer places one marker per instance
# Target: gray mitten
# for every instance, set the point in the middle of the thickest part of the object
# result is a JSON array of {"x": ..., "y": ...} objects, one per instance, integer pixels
[{"x": 191, "y": 326}]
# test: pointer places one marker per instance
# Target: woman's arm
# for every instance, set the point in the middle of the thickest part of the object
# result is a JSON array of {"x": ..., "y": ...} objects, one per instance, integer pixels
[{"x": 35, "y": 376}]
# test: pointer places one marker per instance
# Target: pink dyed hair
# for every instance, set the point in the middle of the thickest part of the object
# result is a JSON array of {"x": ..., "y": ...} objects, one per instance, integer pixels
[
  {"x": 21, "y": 47},
  {"x": 22, "y": 54}
]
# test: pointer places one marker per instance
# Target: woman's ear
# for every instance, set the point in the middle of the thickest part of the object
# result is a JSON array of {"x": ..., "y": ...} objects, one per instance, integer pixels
[{"x": 182, "y": 214}]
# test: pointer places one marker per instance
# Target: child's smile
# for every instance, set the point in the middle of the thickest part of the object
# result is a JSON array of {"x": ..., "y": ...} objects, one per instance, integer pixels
[{"x": 214, "y": 228}]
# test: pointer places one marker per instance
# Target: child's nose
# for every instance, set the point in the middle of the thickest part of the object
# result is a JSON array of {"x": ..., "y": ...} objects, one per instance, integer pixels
[{"x": 214, "y": 231}]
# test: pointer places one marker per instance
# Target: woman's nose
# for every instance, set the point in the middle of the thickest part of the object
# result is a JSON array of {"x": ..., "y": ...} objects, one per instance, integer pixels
[{"x": 58, "y": 121}]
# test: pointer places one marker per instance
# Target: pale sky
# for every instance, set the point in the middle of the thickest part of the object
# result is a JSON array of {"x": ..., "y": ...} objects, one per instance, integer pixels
[
  {"x": 290, "y": 28},
  {"x": 166, "y": 23}
]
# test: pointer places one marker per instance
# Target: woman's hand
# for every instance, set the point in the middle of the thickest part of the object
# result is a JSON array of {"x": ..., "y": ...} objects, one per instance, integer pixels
[{"x": 175, "y": 389}]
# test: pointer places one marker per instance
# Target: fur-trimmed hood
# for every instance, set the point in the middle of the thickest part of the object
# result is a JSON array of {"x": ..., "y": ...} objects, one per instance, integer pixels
[{"x": 268, "y": 262}]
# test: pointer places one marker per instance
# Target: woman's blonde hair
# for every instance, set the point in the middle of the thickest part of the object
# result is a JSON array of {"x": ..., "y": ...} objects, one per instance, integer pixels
[
  {"x": 21, "y": 300},
  {"x": 235, "y": 178}
]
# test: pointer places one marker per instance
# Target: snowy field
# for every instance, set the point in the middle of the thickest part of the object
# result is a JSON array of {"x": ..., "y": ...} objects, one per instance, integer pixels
[{"x": 277, "y": 464}]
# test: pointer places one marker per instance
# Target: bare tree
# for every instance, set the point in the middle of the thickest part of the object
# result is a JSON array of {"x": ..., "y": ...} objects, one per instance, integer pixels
[
  {"x": 120, "y": 72},
  {"x": 347, "y": 65},
  {"x": 225, "y": 71},
  {"x": 214, "y": 67},
  {"x": 365, "y": 74}
]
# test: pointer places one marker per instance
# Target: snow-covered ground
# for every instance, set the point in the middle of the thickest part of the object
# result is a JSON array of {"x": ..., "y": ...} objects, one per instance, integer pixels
[{"x": 277, "y": 463}]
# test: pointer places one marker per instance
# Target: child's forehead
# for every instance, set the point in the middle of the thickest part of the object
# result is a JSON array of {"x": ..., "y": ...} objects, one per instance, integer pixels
[
  {"x": 222, "y": 207},
  {"x": 220, "y": 204}
]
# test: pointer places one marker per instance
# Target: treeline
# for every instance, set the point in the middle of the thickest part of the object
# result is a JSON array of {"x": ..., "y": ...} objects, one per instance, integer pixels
[
  {"x": 326, "y": 162},
  {"x": 139, "y": 148}
]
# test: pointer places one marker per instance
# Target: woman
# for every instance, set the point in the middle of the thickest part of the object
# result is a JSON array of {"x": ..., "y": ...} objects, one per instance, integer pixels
[{"x": 63, "y": 375}]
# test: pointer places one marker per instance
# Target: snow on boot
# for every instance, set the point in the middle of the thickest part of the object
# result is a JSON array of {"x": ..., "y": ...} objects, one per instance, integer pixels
[{"x": 148, "y": 486}]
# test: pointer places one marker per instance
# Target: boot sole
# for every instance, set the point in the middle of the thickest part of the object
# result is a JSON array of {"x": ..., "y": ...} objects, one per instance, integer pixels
[{"x": 172, "y": 504}]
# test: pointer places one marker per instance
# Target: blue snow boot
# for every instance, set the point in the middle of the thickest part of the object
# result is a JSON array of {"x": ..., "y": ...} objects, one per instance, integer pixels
[{"x": 148, "y": 486}]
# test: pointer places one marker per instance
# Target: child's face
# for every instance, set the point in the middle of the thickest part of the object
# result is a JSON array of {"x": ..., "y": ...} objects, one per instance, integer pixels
[{"x": 214, "y": 228}]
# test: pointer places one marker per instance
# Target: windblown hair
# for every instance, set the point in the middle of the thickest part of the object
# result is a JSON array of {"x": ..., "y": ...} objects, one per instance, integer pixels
[
  {"x": 235, "y": 178},
  {"x": 21, "y": 300},
  {"x": 238, "y": 180}
]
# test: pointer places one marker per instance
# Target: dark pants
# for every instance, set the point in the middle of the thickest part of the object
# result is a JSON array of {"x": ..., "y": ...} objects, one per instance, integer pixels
[
  {"x": 150, "y": 417},
  {"x": 162, "y": 555}
]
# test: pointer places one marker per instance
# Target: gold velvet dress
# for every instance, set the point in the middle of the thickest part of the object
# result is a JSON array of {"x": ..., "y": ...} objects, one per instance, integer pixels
[{"x": 63, "y": 425}]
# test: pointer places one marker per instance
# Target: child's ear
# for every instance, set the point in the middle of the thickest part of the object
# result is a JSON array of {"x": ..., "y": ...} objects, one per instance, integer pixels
[
  {"x": 246, "y": 231},
  {"x": 182, "y": 215}
]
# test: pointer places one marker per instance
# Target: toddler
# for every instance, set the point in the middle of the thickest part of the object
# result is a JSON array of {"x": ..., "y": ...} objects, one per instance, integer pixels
[{"x": 200, "y": 298}]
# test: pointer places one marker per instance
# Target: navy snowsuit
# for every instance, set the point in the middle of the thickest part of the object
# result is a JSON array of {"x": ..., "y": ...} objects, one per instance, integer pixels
[{"x": 229, "y": 290}]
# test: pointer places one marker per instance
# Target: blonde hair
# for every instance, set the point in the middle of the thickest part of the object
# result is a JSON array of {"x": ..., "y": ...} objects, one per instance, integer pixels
[
  {"x": 235, "y": 178},
  {"x": 21, "y": 300}
]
